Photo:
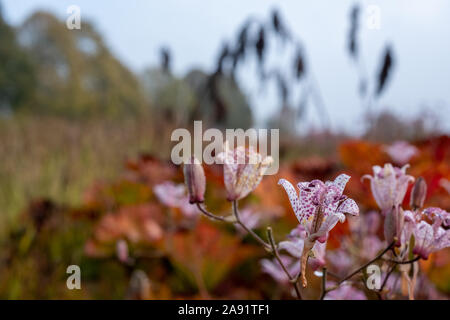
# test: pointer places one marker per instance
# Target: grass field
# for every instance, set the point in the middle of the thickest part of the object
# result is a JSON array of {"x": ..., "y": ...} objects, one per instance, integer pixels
[{"x": 58, "y": 158}]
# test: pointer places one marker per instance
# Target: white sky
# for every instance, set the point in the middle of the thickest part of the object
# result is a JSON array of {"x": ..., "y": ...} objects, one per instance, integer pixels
[{"x": 195, "y": 29}]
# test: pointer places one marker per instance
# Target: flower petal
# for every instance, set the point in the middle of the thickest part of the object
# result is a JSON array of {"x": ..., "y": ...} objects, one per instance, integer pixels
[
  {"x": 349, "y": 206},
  {"x": 293, "y": 198}
]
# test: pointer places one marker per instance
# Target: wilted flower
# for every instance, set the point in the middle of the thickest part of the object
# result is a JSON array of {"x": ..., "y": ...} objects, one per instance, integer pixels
[
  {"x": 243, "y": 170},
  {"x": 194, "y": 178},
  {"x": 401, "y": 152},
  {"x": 345, "y": 292},
  {"x": 389, "y": 185},
  {"x": 174, "y": 195},
  {"x": 318, "y": 207},
  {"x": 418, "y": 193}
]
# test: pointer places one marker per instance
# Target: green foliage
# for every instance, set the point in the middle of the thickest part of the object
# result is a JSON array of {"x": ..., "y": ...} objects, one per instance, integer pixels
[{"x": 17, "y": 76}]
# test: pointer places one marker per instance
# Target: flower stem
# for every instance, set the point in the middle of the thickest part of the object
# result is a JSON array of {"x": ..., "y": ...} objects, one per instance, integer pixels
[
  {"x": 404, "y": 262},
  {"x": 379, "y": 256},
  {"x": 209, "y": 214},
  {"x": 277, "y": 256},
  {"x": 250, "y": 231},
  {"x": 387, "y": 277}
]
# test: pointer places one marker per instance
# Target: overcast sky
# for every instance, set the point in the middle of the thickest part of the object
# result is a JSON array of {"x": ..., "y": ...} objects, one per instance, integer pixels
[{"x": 418, "y": 30}]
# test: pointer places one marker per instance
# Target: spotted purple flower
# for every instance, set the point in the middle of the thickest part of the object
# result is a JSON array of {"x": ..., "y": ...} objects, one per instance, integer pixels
[
  {"x": 389, "y": 185},
  {"x": 429, "y": 239},
  {"x": 243, "y": 170},
  {"x": 430, "y": 230},
  {"x": 319, "y": 207}
]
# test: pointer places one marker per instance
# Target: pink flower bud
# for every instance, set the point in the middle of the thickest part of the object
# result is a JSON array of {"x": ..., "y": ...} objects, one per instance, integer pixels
[
  {"x": 418, "y": 194},
  {"x": 194, "y": 178},
  {"x": 393, "y": 225}
]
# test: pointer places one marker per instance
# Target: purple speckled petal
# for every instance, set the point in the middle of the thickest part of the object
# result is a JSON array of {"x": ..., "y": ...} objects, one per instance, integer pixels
[
  {"x": 341, "y": 181},
  {"x": 293, "y": 198},
  {"x": 423, "y": 235},
  {"x": 349, "y": 206}
]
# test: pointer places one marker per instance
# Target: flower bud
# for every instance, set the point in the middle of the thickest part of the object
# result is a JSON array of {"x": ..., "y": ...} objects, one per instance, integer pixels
[
  {"x": 194, "y": 178},
  {"x": 418, "y": 194},
  {"x": 393, "y": 225}
]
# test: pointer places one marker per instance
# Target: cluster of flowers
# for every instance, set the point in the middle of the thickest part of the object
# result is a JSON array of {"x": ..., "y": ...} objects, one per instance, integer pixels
[{"x": 319, "y": 206}]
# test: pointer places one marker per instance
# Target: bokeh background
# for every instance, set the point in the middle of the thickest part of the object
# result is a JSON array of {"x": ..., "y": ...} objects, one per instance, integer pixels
[{"x": 86, "y": 117}]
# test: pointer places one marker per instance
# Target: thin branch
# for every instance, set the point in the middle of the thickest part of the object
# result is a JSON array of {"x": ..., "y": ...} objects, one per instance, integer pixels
[
  {"x": 379, "y": 256},
  {"x": 277, "y": 256},
  {"x": 250, "y": 231},
  {"x": 209, "y": 214},
  {"x": 403, "y": 262},
  {"x": 387, "y": 277}
]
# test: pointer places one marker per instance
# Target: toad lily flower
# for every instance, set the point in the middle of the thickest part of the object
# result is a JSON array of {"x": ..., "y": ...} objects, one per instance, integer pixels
[
  {"x": 243, "y": 170},
  {"x": 319, "y": 207},
  {"x": 428, "y": 237},
  {"x": 438, "y": 216},
  {"x": 389, "y": 185}
]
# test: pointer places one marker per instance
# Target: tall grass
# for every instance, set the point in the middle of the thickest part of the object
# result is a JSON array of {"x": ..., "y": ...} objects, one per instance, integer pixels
[{"x": 59, "y": 158}]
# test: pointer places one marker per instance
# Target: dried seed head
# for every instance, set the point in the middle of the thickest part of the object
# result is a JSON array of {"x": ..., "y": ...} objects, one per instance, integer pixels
[
  {"x": 194, "y": 178},
  {"x": 418, "y": 194}
]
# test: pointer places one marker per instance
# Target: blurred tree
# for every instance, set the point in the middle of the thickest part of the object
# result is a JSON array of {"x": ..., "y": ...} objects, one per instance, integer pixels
[
  {"x": 198, "y": 96},
  {"x": 16, "y": 71},
  {"x": 76, "y": 73},
  {"x": 219, "y": 100},
  {"x": 171, "y": 98}
]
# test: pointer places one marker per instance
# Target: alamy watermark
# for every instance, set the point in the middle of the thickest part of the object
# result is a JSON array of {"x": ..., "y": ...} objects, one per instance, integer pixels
[
  {"x": 256, "y": 139},
  {"x": 373, "y": 17},
  {"x": 74, "y": 280},
  {"x": 74, "y": 19},
  {"x": 373, "y": 281}
]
